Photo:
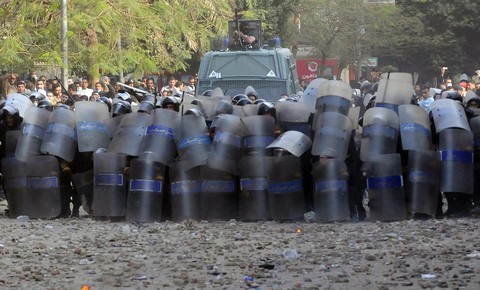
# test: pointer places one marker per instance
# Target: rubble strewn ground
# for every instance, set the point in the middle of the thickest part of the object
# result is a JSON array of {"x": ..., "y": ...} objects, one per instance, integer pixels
[{"x": 71, "y": 253}]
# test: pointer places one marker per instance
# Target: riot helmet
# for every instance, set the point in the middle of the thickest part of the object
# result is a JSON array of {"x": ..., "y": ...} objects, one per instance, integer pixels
[
  {"x": 45, "y": 104},
  {"x": 124, "y": 96},
  {"x": 9, "y": 109},
  {"x": 121, "y": 107},
  {"x": 158, "y": 102},
  {"x": 61, "y": 106},
  {"x": 207, "y": 93},
  {"x": 292, "y": 98},
  {"x": 474, "y": 102},
  {"x": 267, "y": 108},
  {"x": 223, "y": 107},
  {"x": 365, "y": 87},
  {"x": 281, "y": 152},
  {"x": 238, "y": 97},
  {"x": 194, "y": 111},
  {"x": 454, "y": 95},
  {"x": 147, "y": 104},
  {"x": 259, "y": 101},
  {"x": 38, "y": 96},
  {"x": 195, "y": 102},
  {"x": 170, "y": 103},
  {"x": 11, "y": 116},
  {"x": 356, "y": 94},
  {"x": 100, "y": 151},
  {"x": 107, "y": 102},
  {"x": 243, "y": 102}
]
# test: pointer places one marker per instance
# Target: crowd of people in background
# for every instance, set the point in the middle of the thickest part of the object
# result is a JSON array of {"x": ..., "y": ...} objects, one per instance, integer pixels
[{"x": 80, "y": 89}]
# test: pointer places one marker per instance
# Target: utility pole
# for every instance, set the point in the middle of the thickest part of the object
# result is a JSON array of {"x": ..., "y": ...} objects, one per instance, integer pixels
[
  {"x": 64, "y": 44},
  {"x": 120, "y": 62}
]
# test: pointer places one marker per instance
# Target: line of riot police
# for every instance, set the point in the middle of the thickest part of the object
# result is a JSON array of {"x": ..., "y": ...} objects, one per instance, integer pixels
[{"x": 218, "y": 158}]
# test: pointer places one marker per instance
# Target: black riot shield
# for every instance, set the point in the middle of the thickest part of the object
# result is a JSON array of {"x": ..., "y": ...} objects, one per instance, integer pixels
[
  {"x": 83, "y": 183},
  {"x": 293, "y": 116},
  {"x": 448, "y": 113},
  {"x": 285, "y": 187},
  {"x": 227, "y": 143},
  {"x": 330, "y": 177},
  {"x": 60, "y": 138},
  {"x": 335, "y": 96},
  {"x": 92, "y": 132},
  {"x": 414, "y": 128},
  {"x": 43, "y": 188},
  {"x": 32, "y": 187},
  {"x": 253, "y": 201},
  {"x": 332, "y": 135},
  {"x": 475, "y": 127},
  {"x": 145, "y": 190},
  {"x": 15, "y": 186},
  {"x": 193, "y": 141},
  {"x": 33, "y": 128},
  {"x": 380, "y": 132},
  {"x": 159, "y": 137},
  {"x": 218, "y": 195},
  {"x": 294, "y": 142},
  {"x": 385, "y": 187},
  {"x": 185, "y": 188},
  {"x": 129, "y": 134},
  {"x": 456, "y": 153},
  {"x": 423, "y": 181},
  {"x": 259, "y": 133},
  {"x": 109, "y": 191}
]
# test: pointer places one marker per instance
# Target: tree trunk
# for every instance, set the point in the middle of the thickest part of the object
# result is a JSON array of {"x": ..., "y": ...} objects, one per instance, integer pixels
[
  {"x": 92, "y": 70},
  {"x": 321, "y": 68}
]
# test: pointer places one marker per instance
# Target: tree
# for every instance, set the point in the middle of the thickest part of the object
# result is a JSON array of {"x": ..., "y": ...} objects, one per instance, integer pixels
[
  {"x": 155, "y": 35},
  {"x": 397, "y": 38},
  {"x": 334, "y": 28},
  {"x": 277, "y": 17},
  {"x": 355, "y": 30},
  {"x": 451, "y": 31}
]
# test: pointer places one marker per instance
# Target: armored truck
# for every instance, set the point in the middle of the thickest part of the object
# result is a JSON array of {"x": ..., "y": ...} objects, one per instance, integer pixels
[{"x": 270, "y": 70}]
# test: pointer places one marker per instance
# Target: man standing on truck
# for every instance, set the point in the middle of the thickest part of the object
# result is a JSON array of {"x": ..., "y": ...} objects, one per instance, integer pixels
[
  {"x": 242, "y": 37},
  {"x": 243, "y": 33}
]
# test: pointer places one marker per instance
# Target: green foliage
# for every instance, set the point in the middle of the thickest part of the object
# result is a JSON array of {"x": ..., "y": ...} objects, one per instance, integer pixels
[
  {"x": 413, "y": 36},
  {"x": 336, "y": 29},
  {"x": 449, "y": 38},
  {"x": 155, "y": 36},
  {"x": 277, "y": 17},
  {"x": 160, "y": 36}
]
